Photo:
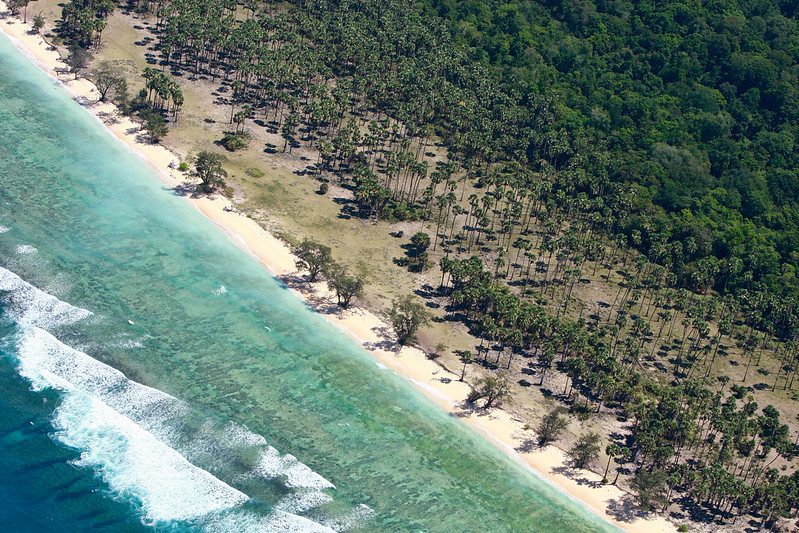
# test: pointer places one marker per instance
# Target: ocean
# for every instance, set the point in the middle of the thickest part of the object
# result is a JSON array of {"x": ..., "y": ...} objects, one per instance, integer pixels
[{"x": 154, "y": 376}]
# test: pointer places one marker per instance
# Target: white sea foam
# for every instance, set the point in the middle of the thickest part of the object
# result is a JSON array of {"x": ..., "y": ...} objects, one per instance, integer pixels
[
  {"x": 355, "y": 518},
  {"x": 299, "y": 502},
  {"x": 221, "y": 291},
  {"x": 98, "y": 416},
  {"x": 125, "y": 430},
  {"x": 132, "y": 343},
  {"x": 128, "y": 433},
  {"x": 272, "y": 464},
  {"x": 26, "y": 249},
  {"x": 38, "y": 351},
  {"x": 277, "y": 522},
  {"x": 133, "y": 462},
  {"x": 32, "y": 306},
  {"x": 4, "y": 229},
  {"x": 40, "y": 355},
  {"x": 126, "y": 341},
  {"x": 239, "y": 435}
]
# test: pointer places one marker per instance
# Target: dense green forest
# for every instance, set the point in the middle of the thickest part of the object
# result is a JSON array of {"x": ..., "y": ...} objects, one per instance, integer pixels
[
  {"x": 647, "y": 147},
  {"x": 692, "y": 106}
]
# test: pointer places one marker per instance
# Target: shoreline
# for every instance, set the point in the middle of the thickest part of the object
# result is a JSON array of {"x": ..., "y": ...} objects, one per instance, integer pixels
[{"x": 437, "y": 384}]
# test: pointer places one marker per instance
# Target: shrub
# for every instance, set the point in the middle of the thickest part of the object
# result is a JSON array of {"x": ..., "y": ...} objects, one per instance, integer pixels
[{"x": 234, "y": 141}]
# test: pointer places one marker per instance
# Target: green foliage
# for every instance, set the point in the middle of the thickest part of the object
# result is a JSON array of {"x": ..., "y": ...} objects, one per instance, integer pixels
[
  {"x": 255, "y": 172},
  {"x": 108, "y": 79},
  {"x": 416, "y": 255},
  {"x": 567, "y": 135},
  {"x": 77, "y": 59},
  {"x": 154, "y": 124},
  {"x": 183, "y": 166},
  {"x": 407, "y": 316},
  {"x": 493, "y": 388},
  {"x": 313, "y": 257},
  {"x": 345, "y": 285},
  {"x": 208, "y": 167},
  {"x": 38, "y": 23},
  {"x": 162, "y": 93},
  {"x": 14, "y": 6},
  {"x": 551, "y": 427},
  {"x": 585, "y": 450},
  {"x": 82, "y": 21},
  {"x": 420, "y": 242},
  {"x": 691, "y": 108},
  {"x": 466, "y": 357},
  {"x": 651, "y": 489},
  {"x": 234, "y": 141}
]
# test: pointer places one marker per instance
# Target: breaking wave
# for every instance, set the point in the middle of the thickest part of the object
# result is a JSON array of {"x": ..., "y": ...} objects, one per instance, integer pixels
[
  {"x": 30, "y": 306},
  {"x": 152, "y": 447},
  {"x": 26, "y": 249}
]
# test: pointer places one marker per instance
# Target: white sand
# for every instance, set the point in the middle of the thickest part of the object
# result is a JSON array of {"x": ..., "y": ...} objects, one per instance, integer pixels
[{"x": 498, "y": 426}]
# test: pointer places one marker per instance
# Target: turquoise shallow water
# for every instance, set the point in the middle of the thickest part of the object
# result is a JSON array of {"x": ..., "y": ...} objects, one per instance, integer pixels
[{"x": 154, "y": 376}]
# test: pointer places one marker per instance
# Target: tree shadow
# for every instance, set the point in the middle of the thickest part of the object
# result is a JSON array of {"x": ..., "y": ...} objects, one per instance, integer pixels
[
  {"x": 313, "y": 301},
  {"x": 386, "y": 342},
  {"x": 625, "y": 509},
  {"x": 185, "y": 189},
  {"x": 577, "y": 476}
]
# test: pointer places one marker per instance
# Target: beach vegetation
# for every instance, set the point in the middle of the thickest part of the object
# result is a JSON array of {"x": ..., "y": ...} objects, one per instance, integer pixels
[
  {"x": 551, "y": 427},
  {"x": 82, "y": 22},
  {"x": 610, "y": 189},
  {"x": 651, "y": 488},
  {"x": 466, "y": 357},
  {"x": 345, "y": 285},
  {"x": 314, "y": 257},
  {"x": 14, "y": 7},
  {"x": 254, "y": 172},
  {"x": 154, "y": 124},
  {"x": 234, "y": 141},
  {"x": 437, "y": 351},
  {"x": 492, "y": 388},
  {"x": 585, "y": 450},
  {"x": 77, "y": 60},
  {"x": 407, "y": 315},
  {"x": 418, "y": 256},
  {"x": 38, "y": 22},
  {"x": 108, "y": 79},
  {"x": 162, "y": 92},
  {"x": 208, "y": 167}
]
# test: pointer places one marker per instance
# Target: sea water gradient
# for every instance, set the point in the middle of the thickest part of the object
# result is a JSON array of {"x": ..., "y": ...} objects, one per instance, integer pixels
[{"x": 135, "y": 395}]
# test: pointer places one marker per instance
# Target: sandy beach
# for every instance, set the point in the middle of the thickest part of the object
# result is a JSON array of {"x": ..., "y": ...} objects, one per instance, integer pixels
[{"x": 436, "y": 383}]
